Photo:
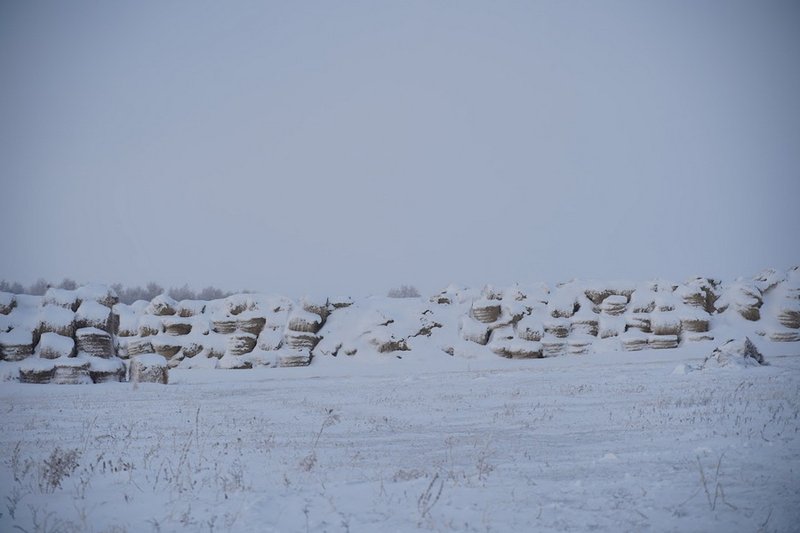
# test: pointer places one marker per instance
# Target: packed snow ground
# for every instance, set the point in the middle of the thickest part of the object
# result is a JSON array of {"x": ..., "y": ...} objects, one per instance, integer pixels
[{"x": 612, "y": 441}]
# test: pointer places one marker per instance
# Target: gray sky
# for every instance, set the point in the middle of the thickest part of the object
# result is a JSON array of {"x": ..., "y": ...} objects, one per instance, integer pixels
[{"x": 348, "y": 147}]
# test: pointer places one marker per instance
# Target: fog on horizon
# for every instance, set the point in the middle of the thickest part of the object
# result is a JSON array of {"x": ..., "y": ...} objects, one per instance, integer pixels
[{"x": 347, "y": 148}]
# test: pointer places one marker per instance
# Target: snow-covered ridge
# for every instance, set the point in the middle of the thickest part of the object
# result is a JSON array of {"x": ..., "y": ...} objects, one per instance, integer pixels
[{"x": 85, "y": 335}]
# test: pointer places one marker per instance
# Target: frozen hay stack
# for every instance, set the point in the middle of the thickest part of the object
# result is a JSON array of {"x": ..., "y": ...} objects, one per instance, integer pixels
[
  {"x": 614, "y": 305},
  {"x": 53, "y": 346},
  {"x": 485, "y": 310},
  {"x": 56, "y": 319},
  {"x": 91, "y": 314},
  {"x": 149, "y": 368},
  {"x": 71, "y": 371},
  {"x": 16, "y": 345}
]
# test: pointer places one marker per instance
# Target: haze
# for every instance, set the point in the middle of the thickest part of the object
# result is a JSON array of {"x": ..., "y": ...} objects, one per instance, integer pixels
[{"x": 349, "y": 147}]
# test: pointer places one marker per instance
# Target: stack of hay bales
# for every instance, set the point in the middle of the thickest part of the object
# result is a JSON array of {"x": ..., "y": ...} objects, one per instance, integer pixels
[
  {"x": 633, "y": 341},
  {"x": 666, "y": 327},
  {"x": 699, "y": 293},
  {"x": 7, "y": 302},
  {"x": 744, "y": 298},
  {"x": 17, "y": 344},
  {"x": 638, "y": 321},
  {"x": 91, "y": 314},
  {"x": 149, "y": 368},
  {"x": 300, "y": 336},
  {"x": 94, "y": 341},
  {"x": 52, "y": 346},
  {"x": 505, "y": 344}
]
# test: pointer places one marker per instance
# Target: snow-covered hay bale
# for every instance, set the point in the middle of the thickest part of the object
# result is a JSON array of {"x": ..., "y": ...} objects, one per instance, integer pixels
[
  {"x": 735, "y": 353},
  {"x": 99, "y": 293},
  {"x": 340, "y": 302},
  {"x": 304, "y": 321},
  {"x": 789, "y": 314},
  {"x": 234, "y": 362},
  {"x": 388, "y": 344},
  {"x": 300, "y": 340},
  {"x": 191, "y": 348},
  {"x": 176, "y": 325},
  {"x": 661, "y": 342},
  {"x": 552, "y": 347},
  {"x": 71, "y": 371},
  {"x": 563, "y": 304},
  {"x": 640, "y": 321},
  {"x": 64, "y": 298},
  {"x": 187, "y": 308},
  {"x": 634, "y": 341},
  {"x": 239, "y": 303},
  {"x": 139, "y": 346},
  {"x": 530, "y": 329},
  {"x": 241, "y": 343},
  {"x": 614, "y": 305},
  {"x": 106, "y": 370},
  {"x": 150, "y": 325},
  {"x": 485, "y": 310},
  {"x": 610, "y": 326},
  {"x": 149, "y": 368},
  {"x": 251, "y": 323},
  {"x": 579, "y": 345},
  {"x": 224, "y": 325},
  {"x": 162, "y": 305},
  {"x": 744, "y": 297},
  {"x": 317, "y": 307},
  {"x": 55, "y": 319},
  {"x": 584, "y": 325},
  {"x": 698, "y": 337},
  {"x": 474, "y": 331},
  {"x": 665, "y": 323},
  {"x": 516, "y": 348},
  {"x": 94, "y": 341},
  {"x": 17, "y": 344},
  {"x": 557, "y": 327},
  {"x": 166, "y": 345},
  {"x": 91, "y": 314},
  {"x": 698, "y": 322},
  {"x": 127, "y": 323},
  {"x": 293, "y": 357},
  {"x": 783, "y": 335},
  {"x": 52, "y": 346},
  {"x": 699, "y": 293},
  {"x": 35, "y": 370},
  {"x": 269, "y": 339},
  {"x": 7, "y": 302}
]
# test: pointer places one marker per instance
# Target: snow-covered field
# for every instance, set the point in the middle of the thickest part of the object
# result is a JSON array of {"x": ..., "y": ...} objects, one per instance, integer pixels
[{"x": 611, "y": 441}]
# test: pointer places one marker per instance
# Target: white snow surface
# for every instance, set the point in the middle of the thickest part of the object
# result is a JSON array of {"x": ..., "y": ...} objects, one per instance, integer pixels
[{"x": 613, "y": 442}]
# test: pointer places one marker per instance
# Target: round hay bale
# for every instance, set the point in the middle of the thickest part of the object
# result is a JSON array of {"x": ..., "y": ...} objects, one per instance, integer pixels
[
  {"x": 557, "y": 327},
  {"x": 36, "y": 370},
  {"x": 91, "y": 314},
  {"x": 139, "y": 346},
  {"x": 241, "y": 343},
  {"x": 106, "y": 370},
  {"x": 634, "y": 341},
  {"x": 71, "y": 371},
  {"x": 94, "y": 341},
  {"x": 530, "y": 329},
  {"x": 176, "y": 326},
  {"x": 166, "y": 345},
  {"x": 149, "y": 368},
  {"x": 304, "y": 321},
  {"x": 473, "y": 331},
  {"x": 614, "y": 305},
  {"x": 665, "y": 323},
  {"x": 17, "y": 344},
  {"x": 162, "y": 305},
  {"x": 251, "y": 324},
  {"x": 300, "y": 340},
  {"x": 640, "y": 321},
  {"x": 54, "y": 319},
  {"x": 188, "y": 308},
  {"x": 52, "y": 346},
  {"x": 517, "y": 349},
  {"x": 485, "y": 310},
  {"x": 660, "y": 342},
  {"x": 584, "y": 326},
  {"x": 224, "y": 326},
  {"x": 553, "y": 347},
  {"x": 293, "y": 357},
  {"x": 7, "y": 302},
  {"x": 150, "y": 325}
]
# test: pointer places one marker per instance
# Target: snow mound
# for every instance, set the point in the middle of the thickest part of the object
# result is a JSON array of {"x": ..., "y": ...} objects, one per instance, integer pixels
[{"x": 735, "y": 353}]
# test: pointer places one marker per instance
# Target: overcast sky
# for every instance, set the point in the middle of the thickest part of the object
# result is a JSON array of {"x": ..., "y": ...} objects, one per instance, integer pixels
[{"x": 348, "y": 147}]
